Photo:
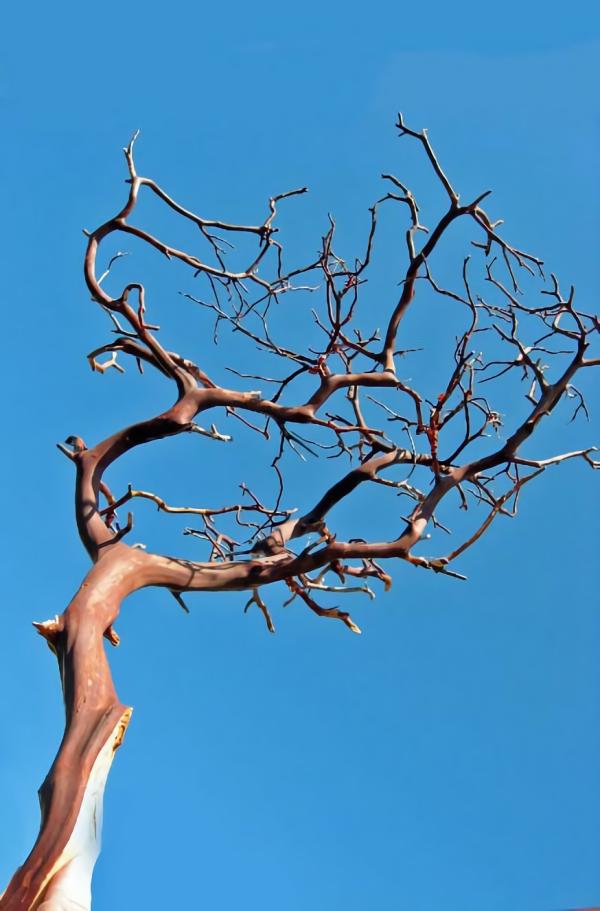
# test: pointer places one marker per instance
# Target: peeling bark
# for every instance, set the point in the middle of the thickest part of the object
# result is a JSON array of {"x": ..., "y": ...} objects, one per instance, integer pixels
[
  {"x": 69, "y": 886},
  {"x": 71, "y": 796}
]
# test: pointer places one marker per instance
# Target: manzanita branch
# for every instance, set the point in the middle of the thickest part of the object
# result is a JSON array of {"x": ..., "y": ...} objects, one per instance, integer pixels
[{"x": 436, "y": 442}]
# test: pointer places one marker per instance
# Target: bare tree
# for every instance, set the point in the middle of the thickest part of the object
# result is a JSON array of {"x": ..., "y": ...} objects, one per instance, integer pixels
[{"x": 446, "y": 445}]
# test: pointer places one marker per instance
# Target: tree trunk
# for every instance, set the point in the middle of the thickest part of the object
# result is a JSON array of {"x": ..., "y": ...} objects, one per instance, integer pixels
[{"x": 58, "y": 872}]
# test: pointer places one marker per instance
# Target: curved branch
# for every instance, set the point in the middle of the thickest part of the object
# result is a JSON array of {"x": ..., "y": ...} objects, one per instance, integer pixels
[{"x": 59, "y": 866}]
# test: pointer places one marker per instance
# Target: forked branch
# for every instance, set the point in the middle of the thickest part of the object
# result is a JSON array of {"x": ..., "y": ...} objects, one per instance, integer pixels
[{"x": 443, "y": 446}]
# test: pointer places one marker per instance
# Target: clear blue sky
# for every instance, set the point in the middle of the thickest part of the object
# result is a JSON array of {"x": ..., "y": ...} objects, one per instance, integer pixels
[{"x": 449, "y": 756}]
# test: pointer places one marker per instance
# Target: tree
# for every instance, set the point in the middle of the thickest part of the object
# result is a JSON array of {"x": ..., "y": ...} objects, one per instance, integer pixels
[{"x": 447, "y": 444}]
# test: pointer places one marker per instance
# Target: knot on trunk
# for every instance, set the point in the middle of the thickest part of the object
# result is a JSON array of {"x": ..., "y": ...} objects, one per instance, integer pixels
[{"x": 50, "y": 630}]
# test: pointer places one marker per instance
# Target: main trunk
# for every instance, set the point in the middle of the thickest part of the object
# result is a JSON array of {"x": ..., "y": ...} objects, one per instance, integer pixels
[{"x": 57, "y": 874}]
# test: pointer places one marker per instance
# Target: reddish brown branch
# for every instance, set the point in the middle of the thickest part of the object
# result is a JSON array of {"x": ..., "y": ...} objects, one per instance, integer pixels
[{"x": 347, "y": 361}]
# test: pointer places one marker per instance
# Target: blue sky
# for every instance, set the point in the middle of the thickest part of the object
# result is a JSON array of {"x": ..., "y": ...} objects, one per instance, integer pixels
[{"x": 447, "y": 756}]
